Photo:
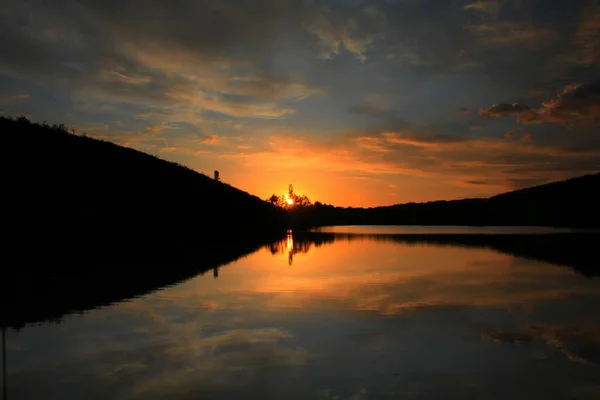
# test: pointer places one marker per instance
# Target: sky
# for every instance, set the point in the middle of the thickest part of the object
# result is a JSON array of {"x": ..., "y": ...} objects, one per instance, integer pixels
[{"x": 354, "y": 102}]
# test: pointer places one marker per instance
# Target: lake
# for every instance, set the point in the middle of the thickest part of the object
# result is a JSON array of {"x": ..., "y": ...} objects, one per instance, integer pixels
[{"x": 348, "y": 315}]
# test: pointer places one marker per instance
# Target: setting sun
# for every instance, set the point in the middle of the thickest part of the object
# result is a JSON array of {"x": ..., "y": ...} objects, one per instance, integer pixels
[{"x": 290, "y": 201}]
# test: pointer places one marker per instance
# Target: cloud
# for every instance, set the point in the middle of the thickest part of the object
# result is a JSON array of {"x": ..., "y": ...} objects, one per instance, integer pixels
[
  {"x": 527, "y": 138},
  {"x": 210, "y": 139},
  {"x": 462, "y": 110},
  {"x": 455, "y": 160},
  {"x": 107, "y": 52},
  {"x": 334, "y": 35},
  {"x": 21, "y": 96},
  {"x": 508, "y": 33},
  {"x": 504, "y": 110},
  {"x": 375, "y": 106},
  {"x": 154, "y": 128},
  {"x": 476, "y": 182},
  {"x": 576, "y": 105},
  {"x": 489, "y": 7},
  {"x": 510, "y": 135},
  {"x": 585, "y": 49}
]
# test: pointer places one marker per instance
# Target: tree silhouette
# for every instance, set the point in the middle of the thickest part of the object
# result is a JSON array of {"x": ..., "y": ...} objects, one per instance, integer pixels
[{"x": 297, "y": 201}]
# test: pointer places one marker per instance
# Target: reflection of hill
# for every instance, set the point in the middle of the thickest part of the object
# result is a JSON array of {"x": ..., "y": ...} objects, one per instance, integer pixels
[
  {"x": 575, "y": 250},
  {"x": 48, "y": 296}
]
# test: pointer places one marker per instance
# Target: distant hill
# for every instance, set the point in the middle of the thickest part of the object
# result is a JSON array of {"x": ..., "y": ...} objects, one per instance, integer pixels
[
  {"x": 79, "y": 199},
  {"x": 570, "y": 203}
]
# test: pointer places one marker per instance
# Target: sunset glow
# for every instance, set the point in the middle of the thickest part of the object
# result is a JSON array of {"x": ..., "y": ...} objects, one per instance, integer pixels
[{"x": 357, "y": 103}]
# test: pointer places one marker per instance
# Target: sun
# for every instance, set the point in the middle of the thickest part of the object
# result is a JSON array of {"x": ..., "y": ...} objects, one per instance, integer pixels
[{"x": 290, "y": 201}]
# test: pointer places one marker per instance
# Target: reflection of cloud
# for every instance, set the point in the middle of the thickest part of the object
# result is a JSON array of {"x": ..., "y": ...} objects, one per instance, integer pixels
[
  {"x": 509, "y": 337},
  {"x": 413, "y": 278},
  {"x": 578, "y": 343},
  {"x": 581, "y": 344},
  {"x": 196, "y": 362}
]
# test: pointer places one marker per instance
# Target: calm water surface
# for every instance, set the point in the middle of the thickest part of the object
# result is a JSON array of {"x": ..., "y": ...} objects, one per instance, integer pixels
[
  {"x": 344, "y": 319},
  {"x": 424, "y": 229}
]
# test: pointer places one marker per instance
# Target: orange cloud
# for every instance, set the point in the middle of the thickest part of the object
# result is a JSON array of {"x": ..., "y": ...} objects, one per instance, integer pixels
[
  {"x": 154, "y": 128},
  {"x": 408, "y": 160},
  {"x": 210, "y": 139},
  {"x": 576, "y": 105}
]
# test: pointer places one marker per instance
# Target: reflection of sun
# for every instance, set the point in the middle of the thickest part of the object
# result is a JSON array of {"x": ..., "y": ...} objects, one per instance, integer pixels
[{"x": 290, "y": 201}]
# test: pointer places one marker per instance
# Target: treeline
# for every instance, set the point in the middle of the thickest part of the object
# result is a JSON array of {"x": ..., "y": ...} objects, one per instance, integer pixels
[{"x": 570, "y": 203}]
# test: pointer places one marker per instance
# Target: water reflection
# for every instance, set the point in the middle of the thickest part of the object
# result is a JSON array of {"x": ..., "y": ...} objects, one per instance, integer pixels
[
  {"x": 574, "y": 250},
  {"x": 356, "y": 317}
]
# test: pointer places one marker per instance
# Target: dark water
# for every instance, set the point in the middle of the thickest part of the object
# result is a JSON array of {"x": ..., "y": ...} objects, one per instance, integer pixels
[{"x": 344, "y": 318}]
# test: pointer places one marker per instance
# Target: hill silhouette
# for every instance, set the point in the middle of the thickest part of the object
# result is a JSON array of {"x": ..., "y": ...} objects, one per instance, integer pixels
[
  {"x": 80, "y": 200},
  {"x": 570, "y": 203}
]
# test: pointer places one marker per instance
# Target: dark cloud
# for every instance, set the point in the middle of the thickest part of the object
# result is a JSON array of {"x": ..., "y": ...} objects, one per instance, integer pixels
[
  {"x": 508, "y": 33},
  {"x": 509, "y": 337},
  {"x": 576, "y": 105},
  {"x": 504, "y": 110},
  {"x": 462, "y": 112},
  {"x": 155, "y": 54},
  {"x": 477, "y": 183}
]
